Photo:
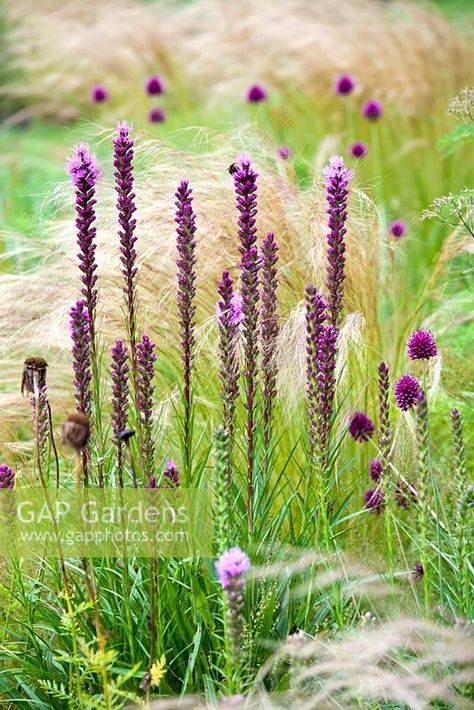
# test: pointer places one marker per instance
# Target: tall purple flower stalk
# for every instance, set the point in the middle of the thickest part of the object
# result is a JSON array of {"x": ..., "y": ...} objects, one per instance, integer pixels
[
  {"x": 146, "y": 359},
  {"x": 7, "y": 476},
  {"x": 186, "y": 277},
  {"x": 123, "y": 163},
  {"x": 245, "y": 186},
  {"x": 228, "y": 323},
  {"x": 120, "y": 391},
  {"x": 316, "y": 313},
  {"x": 269, "y": 334},
  {"x": 326, "y": 379},
  {"x": 337, "y": 177},
  {"x": 81, "y": 356},
  {"x": 83, "y": 170}
]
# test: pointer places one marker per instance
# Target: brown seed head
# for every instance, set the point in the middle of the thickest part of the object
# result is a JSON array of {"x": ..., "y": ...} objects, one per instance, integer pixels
[
  {"x": 34, "y": 373},
  {"x": 76, "y": 431}
]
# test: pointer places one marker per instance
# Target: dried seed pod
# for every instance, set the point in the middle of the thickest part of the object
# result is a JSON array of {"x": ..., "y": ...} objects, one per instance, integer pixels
[
  {"x": 76, "y": 431},
  {"x": 34, "y": 375}
]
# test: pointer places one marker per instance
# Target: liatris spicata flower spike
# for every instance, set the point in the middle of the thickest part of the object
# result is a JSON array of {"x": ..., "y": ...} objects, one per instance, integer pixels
[
  {"x": 326, "y": 387},
  {"x": 361, "y": 427},
  {"x": 146, "y": 359},
  {"x": 7, "y": 476},
  {"x": 170, "y": 475},
  {"x": 376, "y": 470},
  {"x": 316, "y": 314},
  {"x": 34, "y": 382},
  {"x": 186, "y": 277},
  {"x": 397, "y": 228},
  {"x": 337, "y": 177},
  {"x": 229, "y": 315},
  {"x": 375, "y": 499},
  {"x": 344, "y": 85},
  {"x": 256, "y": 94},
  {"x": 358, "y": 150},
  {"x": 81, "y": 356},
  {"x": 423, "y": 445},
  {"x": 82, "y": 168},
  {"x": 421, "y": 345},
  {"x": 152, "y": 483},
  {"x": 269, "y": 332},
  {"x": 222, "y": 491},
  {"x": 154, "y": 85},
  {"x": 407, "y": 392},
  {"x": 372, "y": 110},
  {"x": 157, "y": 115},
  {"x": 123, "y": 163},
  {"x": 120, "y": 388},
  {"x": 245, "y": 185},
  {"x": 231, "y": 568},
  {"x": 285, "y": 152},
  {"x": 99, "y": 94}
]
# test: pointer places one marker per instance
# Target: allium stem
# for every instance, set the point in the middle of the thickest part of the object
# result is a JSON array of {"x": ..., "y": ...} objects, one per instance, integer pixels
[
  {"x": 146, "y": 359},
  {"x": 337, "y": 178},
  {"x": 186, "y": 277},
  {"x": 245, "y": 186},
  {"x": 269, "y": 335},
  {"x": 228, "y": 323},
  {"x": 120, "y": 389},
  {"x": 423, "y": 444},
  {"x": 222, "y": 492}
]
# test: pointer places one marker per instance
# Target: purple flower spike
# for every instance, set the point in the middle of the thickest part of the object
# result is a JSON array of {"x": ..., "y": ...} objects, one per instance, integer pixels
[
  {"x": 337, "y": 177},
  {"x": 81, "y": 356},
  {"x": 344, "y": 85},
  {"x": 407, "y": 392},
  {"x": 7, "y": 476},
  {"x": 269, "y": 331},
  {"x": 231, "y": 567},
  {"x": 123, "y": 163},
  {"x": 421, "y": 345},
  {"x": 154, "y": 86},
  {"x": 120, "y": 390},
  {"x": 186, "y": 278},
  {"x": 285, "y": 152},
  {"x": 358, "y": 150},
  {"x": 151, "y": 483},
  {"x": 397, "y": 228},
  {"x": 372, "y": 110},
  {"x": 157, "y": 115},
  {"x": 171, "y": 475},
  {"x": 146, "y": 359},
  {"x": 361, "y": 427},
  {"x": 326, "y": 386},
  {"x": 376, "y": 470},
  {"x": 82, "y": 167},
  {"x": 316, "y": 313},
  {"x": 374, "y": 499},
  {"x": 256, "y": 94},
  {"x": 245, "y": 186},
  {"x": 99, "y": 94}
]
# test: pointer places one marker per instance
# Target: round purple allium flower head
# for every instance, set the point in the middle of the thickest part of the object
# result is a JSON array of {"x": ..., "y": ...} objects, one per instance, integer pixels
[
  {"x": 256, "y": 94},
  {"x": 82, "y": 164},
  {"x": 156, "y": 115},
  {"x": 421, "y": 345},
  {"x": 372, "y": 110},
  {"x": 397, "y": 228},
  {"x": 418, "y": 572},
  {"x": 374, "y": 499},
  {"x": 358, "y": 150},
  {"x": 285, "y": 152},
  {"x": 7, "y": 476},
  {"x": 99, "y": 94},
  {"x": 154, "y": 85},
  {"x": 407, "y": 392},
  {"x": 231, "y": 567},
  {"x": 376, "y": 469},
  {"x": 344, "y": 85},
  {"x": 361, "y": 427}
]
